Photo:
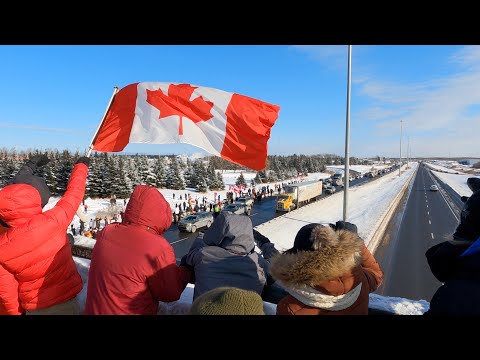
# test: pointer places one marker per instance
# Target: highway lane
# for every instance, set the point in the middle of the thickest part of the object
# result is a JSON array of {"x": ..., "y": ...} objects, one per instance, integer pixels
[{"x": 428, "y": 219}]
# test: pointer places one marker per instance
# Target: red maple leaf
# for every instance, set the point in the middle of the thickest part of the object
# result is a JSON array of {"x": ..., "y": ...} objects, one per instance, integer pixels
[{"x": 177, "y": 102}]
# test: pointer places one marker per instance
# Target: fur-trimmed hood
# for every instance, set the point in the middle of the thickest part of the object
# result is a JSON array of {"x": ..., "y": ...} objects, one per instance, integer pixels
[{"x": 340, "y": 251}]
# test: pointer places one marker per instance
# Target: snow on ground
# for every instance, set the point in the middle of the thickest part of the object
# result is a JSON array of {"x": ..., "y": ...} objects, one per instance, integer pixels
[
  {"x": 395, "y": 305},
  {"x": 362, "y": 169},
  {"x": 451, "y": 167},
  {"x": 367, "y": 205},
  {"x": 457, "y": 182}
]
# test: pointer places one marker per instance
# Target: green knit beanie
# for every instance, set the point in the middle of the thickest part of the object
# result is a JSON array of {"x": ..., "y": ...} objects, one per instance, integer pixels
[{"x": 228, "y": 301}]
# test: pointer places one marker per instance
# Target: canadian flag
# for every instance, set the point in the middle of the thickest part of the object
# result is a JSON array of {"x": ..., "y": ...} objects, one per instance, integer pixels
[{"x": 232, "y": 126}]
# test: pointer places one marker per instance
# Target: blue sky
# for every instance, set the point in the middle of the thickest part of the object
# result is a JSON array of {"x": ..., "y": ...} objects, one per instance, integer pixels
[{"x": 55, "y": 96}]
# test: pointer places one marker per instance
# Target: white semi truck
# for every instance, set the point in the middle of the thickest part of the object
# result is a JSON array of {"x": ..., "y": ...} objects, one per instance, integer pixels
[{"x": 299, "y": 194}]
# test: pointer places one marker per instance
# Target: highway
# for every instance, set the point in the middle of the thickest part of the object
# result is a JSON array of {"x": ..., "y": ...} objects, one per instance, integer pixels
[{"x": 428, "y": 219}]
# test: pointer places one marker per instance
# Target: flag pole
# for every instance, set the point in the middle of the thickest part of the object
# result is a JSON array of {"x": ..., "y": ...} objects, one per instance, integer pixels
[
  {"x": 347, "y": 137},
  {"x": 90, "y": 148}
]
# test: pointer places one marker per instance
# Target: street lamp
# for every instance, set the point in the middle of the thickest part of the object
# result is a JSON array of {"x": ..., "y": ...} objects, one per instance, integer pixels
[{"x": 400, "y": 167}]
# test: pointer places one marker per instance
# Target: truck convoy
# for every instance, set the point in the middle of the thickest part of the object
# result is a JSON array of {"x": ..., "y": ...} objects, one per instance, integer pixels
[{"x": 297, "y": 195}]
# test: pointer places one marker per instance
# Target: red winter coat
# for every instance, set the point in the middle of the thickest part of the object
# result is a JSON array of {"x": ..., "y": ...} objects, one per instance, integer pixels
[
  {"x": 8, "y": 290},
  {"x": 133, "y": 267},
  {"x": 35, "y": 249}
]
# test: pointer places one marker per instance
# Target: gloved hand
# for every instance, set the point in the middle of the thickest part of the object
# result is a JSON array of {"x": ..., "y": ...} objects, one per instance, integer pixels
[
  {"x": 260, "y": 239},
  {"x": 37, "y": 161},
  {"x": 345, "y": 225},
  {"x": 183, "y": 261},
  {"x": 83, "y": 160},
  {"x": 474, "y": 184}
]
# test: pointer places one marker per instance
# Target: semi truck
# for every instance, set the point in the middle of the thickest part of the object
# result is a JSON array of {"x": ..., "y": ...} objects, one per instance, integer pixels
[{"x": 297, "y": 195}]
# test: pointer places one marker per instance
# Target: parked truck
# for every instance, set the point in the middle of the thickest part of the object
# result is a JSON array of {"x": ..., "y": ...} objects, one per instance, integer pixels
[{"x": 297, "y": 195}]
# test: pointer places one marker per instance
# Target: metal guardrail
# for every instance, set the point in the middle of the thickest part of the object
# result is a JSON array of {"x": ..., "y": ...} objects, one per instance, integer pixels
[{"x": 81, "y": 251}]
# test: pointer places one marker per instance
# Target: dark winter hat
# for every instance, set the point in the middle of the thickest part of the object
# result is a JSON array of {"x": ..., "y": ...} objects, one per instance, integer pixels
[
  {"x": 37, "y": 182},
  {"x": 469, "y": 227},
  {"x": 228, "y": 301},
  {"x": 303, "y": 240}
]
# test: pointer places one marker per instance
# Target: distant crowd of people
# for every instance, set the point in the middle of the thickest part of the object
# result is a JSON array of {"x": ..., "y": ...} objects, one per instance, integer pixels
[{"x": 328, "y": 271}]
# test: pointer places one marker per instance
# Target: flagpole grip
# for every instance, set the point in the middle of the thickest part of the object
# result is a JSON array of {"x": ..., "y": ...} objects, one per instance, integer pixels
[{"x": 90, "y": 148}]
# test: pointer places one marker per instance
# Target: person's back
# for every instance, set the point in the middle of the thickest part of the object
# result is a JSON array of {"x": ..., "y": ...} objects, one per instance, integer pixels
[
  {"x": 456, "y": 263},
  {"x": 133, "y": 267},
  {"x": 224, "y": 256},
  {"x": 36, "y": 248}
]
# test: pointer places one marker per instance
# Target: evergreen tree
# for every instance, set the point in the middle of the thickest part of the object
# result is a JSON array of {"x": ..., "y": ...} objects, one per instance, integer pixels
[
  {"x": 143, "y": 169},
  {"x": 159, "y": 172},
  {"x": 241, "y": 181},
  {"x": 220, "y": 183},
  {"x": 64, "y": 170},
  {"x": 120, "y": 187},
  {"x": 189, "y": 174},
  {"x": 95, "y": 177},
  {"x": 175, "y": 178}
]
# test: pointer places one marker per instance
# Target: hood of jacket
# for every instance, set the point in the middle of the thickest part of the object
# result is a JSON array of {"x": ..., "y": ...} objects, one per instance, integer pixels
[
  {"x": 147, "y": 207},
  {"x": 342, "y": 251},
  {"x": 232, "y": 232},
  {"x": 18, "y": 203}
]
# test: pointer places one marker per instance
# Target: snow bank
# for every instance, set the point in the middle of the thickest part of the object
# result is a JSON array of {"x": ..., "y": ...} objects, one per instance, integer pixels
[{"x": 394, "y": 305}]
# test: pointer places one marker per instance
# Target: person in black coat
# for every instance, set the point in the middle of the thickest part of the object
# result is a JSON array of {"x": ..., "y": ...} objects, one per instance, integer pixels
[{"x": 456, "y": 263}]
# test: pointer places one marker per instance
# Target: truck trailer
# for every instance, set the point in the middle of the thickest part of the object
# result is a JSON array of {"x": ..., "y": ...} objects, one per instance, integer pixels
[{"x": 297, "y": 195}]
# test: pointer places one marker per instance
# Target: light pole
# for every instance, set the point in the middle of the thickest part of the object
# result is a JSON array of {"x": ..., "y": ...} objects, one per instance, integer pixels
[
  {"x": 400, "y": 166},
  {"x": 347, "y": 137},
  {"x": 408, "y": 150}
]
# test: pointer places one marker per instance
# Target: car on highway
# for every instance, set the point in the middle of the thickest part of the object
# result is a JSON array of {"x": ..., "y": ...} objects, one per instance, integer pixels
[
  {"x": 330, "y": 189},
  {"x": 245, "y": 201},
  {"x": 434, "y": 188},
  {"x": 195, "y": 221},
  {"x": 238, "y": 209}
]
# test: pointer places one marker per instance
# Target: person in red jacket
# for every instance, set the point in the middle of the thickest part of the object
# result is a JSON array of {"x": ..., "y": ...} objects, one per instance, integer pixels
[
  {"x": 133, "y": 267},
  {"x": 42, "y": 277},
  {"x": 9, "y": 304}
]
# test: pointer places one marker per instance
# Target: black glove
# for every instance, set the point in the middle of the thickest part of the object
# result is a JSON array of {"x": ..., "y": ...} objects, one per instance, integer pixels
[
  {"x": 83, "y": 160},
  {"x": 183, "y": 261},
  {"x": 345, "y": 225},
  {"x": 464, "y": 198},
  {"x": 37, "y": 161},
  {"x": 260, "y": 239},
  {"x": 474, "y": 184}
]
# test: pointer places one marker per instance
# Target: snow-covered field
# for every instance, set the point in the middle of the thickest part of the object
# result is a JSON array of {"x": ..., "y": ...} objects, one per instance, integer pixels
[
  {"x": 362, "y": 169},
  {"x": 450, "y": 172},
  {"x": 451, "y": 167},
  {"x": 457, "y": 182}
]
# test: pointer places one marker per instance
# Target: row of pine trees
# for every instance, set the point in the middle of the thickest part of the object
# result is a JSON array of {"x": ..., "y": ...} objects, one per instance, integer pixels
[{"x": 113, "y": 174}]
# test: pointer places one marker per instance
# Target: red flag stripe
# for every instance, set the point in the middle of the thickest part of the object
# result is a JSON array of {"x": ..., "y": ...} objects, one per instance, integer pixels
[
  {"x": 115, "y": 132},
  {"x": 248, "y": 130}
]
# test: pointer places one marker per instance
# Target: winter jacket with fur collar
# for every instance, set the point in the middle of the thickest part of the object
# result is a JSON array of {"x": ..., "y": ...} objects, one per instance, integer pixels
[{"x": 335, "y": 280}]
